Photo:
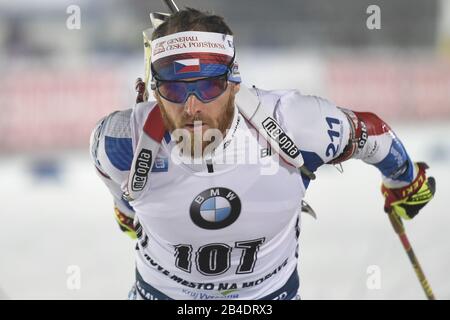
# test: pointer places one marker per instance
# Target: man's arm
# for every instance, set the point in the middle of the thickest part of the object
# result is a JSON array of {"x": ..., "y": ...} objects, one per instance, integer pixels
[
  {"x": 111, "y": 153},
  {"x": 405, "y": 186},
  {"x": 326, "y": 133}
]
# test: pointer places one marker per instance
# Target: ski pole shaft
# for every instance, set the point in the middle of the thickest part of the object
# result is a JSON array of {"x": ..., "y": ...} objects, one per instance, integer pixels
[
  {"x": 397, "y": 224},
  {"x": 171, "y": 5}
]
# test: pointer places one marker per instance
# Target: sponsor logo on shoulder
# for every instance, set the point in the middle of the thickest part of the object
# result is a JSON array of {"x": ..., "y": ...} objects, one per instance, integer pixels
[
  {"x": 141, "y": 170},
  {"x": 285, "y": 143},
  {"x": 161, "y": 164}
]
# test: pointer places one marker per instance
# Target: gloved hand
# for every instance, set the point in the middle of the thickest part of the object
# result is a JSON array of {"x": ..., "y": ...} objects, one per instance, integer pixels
[
  {"x": 125, "y": 223},
  {"x": 406, "y": 202}
]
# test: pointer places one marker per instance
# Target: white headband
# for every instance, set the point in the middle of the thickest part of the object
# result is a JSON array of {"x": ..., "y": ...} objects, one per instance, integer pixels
[{"x": 192, "y": 42}]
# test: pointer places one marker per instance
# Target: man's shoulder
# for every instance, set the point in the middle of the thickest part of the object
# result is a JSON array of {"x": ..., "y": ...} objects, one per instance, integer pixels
[
  {"x": 295, "y": 110},
  {"x": 290, "y": 99},
  {"x": 291, "y": 102},
  {"x": 318, "y": 126},
  {"x": 120, "y": 122},
  {"x": 111, "y": 141},
  {"x": 141, "y": 112}
]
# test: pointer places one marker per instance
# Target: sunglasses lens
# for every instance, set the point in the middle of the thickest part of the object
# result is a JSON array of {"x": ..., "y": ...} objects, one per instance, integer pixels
[
  {"x": 205, "y": 89},
  {"x": 209, "y": 89},
  {"x": 173, "y": 91}
]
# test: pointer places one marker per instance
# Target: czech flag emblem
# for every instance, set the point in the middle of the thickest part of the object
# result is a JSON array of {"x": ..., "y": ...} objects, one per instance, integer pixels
[{"x": 186, "y": 66}]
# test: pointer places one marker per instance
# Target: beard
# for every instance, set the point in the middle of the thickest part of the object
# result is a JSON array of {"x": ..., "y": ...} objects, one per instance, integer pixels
[{"x": 221, "y": 123}]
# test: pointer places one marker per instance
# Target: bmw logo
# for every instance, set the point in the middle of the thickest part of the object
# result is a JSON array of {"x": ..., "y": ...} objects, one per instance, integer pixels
[{"x": 215, "y": 208}]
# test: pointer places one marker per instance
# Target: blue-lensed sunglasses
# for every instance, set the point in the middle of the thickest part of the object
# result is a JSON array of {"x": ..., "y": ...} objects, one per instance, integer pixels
[{"x": 178, "y": 91}]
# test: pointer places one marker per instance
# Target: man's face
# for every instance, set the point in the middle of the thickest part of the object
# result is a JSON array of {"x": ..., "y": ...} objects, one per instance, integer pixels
[{"x": 216, "y": 114}]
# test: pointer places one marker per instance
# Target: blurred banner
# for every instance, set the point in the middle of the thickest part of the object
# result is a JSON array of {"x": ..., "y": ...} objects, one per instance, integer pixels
[
  {"x": 58, "y": 77},
  {"x": 401, "y": 88},
  {"x": 44, "y": 109}
]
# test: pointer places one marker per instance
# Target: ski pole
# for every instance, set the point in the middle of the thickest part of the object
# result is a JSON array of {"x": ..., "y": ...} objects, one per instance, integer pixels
[{"x": 397, "y": 224}]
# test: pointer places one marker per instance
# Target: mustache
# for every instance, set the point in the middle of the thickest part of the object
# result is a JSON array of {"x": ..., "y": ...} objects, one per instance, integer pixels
[{"x": 190, "y": 120}]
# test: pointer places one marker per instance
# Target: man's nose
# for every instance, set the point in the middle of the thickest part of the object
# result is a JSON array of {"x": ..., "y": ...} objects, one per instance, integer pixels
[{"x": 192, "y": 105}]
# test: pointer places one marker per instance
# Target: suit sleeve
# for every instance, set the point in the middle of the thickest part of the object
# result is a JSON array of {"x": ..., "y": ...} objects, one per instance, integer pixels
[
  {"x": 319, "y": 128},
  {"x": 374, "y": 142},
  {"x": 326, "y": 133},
  {"x": 112, "y": 153}
]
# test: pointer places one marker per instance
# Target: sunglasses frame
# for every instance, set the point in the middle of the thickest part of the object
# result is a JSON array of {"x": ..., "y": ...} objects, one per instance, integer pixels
[{"x": 157, "y": 82}]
